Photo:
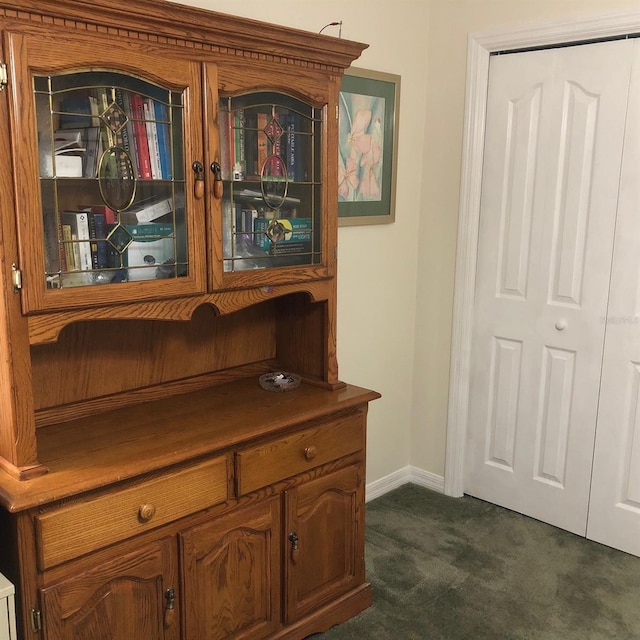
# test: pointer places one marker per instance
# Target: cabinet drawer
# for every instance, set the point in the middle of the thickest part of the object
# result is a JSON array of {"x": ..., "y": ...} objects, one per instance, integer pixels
[
  {"x": 298, "y": 451},
  {"x": 79, "y": 528}
]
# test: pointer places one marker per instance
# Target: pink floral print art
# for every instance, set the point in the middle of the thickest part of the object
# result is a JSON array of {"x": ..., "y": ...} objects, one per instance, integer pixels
[{"x": 360, "y": 147}]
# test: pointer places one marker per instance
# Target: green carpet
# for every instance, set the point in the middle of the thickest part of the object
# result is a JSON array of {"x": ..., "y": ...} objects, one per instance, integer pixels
[{"x": 462, "y": 569}]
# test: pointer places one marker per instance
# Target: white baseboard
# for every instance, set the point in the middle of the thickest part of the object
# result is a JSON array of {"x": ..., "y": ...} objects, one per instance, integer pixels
[
  {"x": 404, "y": 476},
  {"x": 427, "y": 479}
]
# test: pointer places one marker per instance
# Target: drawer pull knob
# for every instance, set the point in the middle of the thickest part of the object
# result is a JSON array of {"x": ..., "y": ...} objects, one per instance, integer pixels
[
  {"x": 310, "y": 452},
  {"x": 146, "y": 512}
]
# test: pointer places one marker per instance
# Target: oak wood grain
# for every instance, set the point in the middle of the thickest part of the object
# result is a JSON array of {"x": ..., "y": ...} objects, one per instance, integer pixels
[
  {"x": 157, "y": 21},
  {"x": 137, "y": 398},
  {"x": 115, "y": 516},
  {"x": 92, "y": 452},
  {"x": 260, "y": 465}
]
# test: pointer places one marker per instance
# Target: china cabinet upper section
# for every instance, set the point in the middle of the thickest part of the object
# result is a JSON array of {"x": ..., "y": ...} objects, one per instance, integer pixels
[
  {"x": 161, "y": 165},
  {"x": 168, "y": 209}
]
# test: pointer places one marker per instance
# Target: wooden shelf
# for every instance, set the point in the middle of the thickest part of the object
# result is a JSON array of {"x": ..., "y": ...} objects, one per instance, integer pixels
[{"x": 86, "y": 454}]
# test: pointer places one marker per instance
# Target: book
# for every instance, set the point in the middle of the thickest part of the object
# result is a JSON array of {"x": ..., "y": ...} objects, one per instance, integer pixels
[
  {"x": 68, "y": 250},
  {"x": 143, "y": 159},
  {"x": 225, "y": 153},
  {"x": 75, "y": 111},
  {"x": 151, "y": 255},
  {"x": 110, "y": 216},
  {"x": 296, "y": 146},
  {"x": 290, "y": 144},
  {"x": 263, "y": 152},
  {"x": 152, "y": 138},
  {"x": 52, "y": 236},
  {"x": 283, "y": 236},
  {"x": 147, "y": 211},
  {"x": 250, "y": 145},
  {"x": 164, "y": 139},
  {"x": 239, "y": 167},
  {"x": 256, "y": 196},
  {"x": 124, "y": 139},
  {"x": 69, "y": 140},
  {"x": 93, "y": 143},
  {"x": 121, "y": 135},
  {"x": 94, "y": 108},
  {"x": 227, "y": 221},
  {"x": 103, "y": 106},
  {"x": 79, "y": 223},
  {"x": 98, "y": 244},
  {"x": 67, "y": 166},
  {"x": 130, "y": 134},
  {"x": 274, "y": 133}
]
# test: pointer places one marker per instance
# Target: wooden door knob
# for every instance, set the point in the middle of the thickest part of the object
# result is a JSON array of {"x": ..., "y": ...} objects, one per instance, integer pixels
[
  {"x": 310, "y": 452},
  {"x": 146, "y": 512}
]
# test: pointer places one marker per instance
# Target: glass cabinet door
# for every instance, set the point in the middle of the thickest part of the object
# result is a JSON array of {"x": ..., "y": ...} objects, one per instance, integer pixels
[
  {"x": 111, "y": 179},
  {"x": 108, "y": 203},
  {"x": 270, "y": 146}
]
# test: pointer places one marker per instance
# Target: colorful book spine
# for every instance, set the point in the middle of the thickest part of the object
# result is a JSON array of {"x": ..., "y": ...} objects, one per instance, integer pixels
[
  {"x": 69, "y": 262},
  {"x": 110, "y": 216},
  {"x": 79, "y": 222},
  {"x": 164, "y": 139},
  {"x": 98, "y": 234},
  {"x": 239, "y": 167},
  {"x": 124, "y": 138},
  {"x": 152, "y": 138},
  {"x": 93, "y": 152},
  {"x": 289, "y": 125},
  {"x": 133, "y": 142},
  {"x": 263, "y": 151},
  {"x": 140, "y": 136}
]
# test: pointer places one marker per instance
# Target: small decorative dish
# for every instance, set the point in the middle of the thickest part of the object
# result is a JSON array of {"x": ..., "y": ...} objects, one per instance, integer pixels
[{"x": 280, "y": 381}]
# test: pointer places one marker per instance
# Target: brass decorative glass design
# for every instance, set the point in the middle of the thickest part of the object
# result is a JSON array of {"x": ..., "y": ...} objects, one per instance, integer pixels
[
  {"x": 112, "y": 179},
  {"x": 271, "y": 164},
  {"x": 116, "y": 178}
]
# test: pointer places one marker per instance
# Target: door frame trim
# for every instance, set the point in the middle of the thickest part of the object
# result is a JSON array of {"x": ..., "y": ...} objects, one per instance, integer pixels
[{"x": 480, "y": 47}]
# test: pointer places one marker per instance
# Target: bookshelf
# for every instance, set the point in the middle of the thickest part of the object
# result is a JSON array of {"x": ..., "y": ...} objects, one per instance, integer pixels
[{"x": 168, "y": 234}]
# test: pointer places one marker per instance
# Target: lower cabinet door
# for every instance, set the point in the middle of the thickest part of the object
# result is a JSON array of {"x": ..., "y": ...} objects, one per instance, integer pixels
[
  {"x": 323, "y": 540},
  {"x": 132, "y": 596},
  {"x": 231, "y": 568}
]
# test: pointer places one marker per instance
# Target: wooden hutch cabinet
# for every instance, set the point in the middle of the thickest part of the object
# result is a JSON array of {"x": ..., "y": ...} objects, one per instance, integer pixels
[{"x": 168, "y": 230}]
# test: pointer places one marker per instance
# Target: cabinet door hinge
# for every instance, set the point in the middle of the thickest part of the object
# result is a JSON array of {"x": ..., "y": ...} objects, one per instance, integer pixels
[
  {"x": 36, "y": 620},
  {"x": 337, "y": 112},
  {"x": 4, "y": 78},
  {"x": 17, "y": 278}
]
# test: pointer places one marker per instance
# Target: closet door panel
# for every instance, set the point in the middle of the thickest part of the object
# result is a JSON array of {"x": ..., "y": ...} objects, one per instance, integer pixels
[
  {"x": 614, "y": 508},
  {"x": 553, "y": 148}
]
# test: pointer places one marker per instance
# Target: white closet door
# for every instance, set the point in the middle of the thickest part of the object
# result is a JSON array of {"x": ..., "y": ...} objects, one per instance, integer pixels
[
  {"x": 554, "y": 135},
  {"x": 614, "y": 509}
]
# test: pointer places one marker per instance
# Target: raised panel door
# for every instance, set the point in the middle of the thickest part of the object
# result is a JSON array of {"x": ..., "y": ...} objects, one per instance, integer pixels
[
  {"x": 130, "y": 597},
  {"x": 324, "y": 540},
  {"x": 554, "y": 136},
  {"x": 231, "y": 568}
]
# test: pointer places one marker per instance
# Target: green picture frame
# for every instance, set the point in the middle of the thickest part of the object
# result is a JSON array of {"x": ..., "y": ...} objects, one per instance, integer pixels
[{"x": 368, "y": 113}]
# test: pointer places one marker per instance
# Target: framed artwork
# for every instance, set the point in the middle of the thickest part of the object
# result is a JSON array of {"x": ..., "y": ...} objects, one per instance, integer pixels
[{"x": 367, "y": 147}]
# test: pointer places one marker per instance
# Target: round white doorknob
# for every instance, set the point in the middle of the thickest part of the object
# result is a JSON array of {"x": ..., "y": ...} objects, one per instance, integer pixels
[{"x": 561, "y": 325}]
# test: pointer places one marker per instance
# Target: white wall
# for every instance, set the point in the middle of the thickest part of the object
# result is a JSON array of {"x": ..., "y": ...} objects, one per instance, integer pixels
[{"x": 377, "y": 265}]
